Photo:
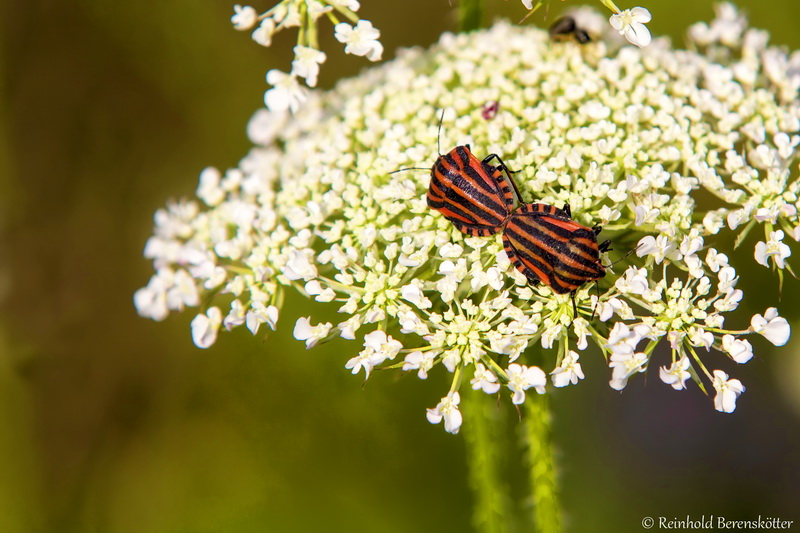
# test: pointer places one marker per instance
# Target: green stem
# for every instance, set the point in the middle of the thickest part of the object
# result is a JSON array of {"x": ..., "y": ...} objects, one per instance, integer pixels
[
  {"x": 538, "y": 439},
  {"x": 491, "y": 502},
  {"x": 469, "y": 14}
]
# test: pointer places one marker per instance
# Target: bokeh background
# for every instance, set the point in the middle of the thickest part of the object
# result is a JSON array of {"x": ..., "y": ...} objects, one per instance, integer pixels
[{"x": 113, "y": 423}]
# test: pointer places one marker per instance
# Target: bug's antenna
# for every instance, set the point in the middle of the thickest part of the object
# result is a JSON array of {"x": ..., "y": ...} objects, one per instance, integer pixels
[
  {"x": 439, "y": 135},
  {"x": 621, "y": 258},
  {"x": 409, "y": 168}
]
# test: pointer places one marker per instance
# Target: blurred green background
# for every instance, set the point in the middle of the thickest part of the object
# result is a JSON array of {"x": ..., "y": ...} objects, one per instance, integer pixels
[{"x": 113, "y": 423}]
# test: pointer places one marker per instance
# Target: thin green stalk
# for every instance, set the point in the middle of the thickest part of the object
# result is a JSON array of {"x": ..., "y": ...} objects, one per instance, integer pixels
[
  {"x": 537, "y": 437},
  {"x": 491, "y": 501},
  {"x": 469, "y": 14}
]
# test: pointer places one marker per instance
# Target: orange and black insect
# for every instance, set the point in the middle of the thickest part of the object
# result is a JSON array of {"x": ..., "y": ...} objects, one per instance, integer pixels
[
  {"x": 471, "y": 193},
  {"x": 545, "y": 244},
  {"x": 566, "y": 28}
]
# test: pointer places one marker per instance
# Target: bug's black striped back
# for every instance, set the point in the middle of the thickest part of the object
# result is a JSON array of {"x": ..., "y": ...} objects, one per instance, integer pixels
[
  {"x": 472, "y": 194},
  {"x": 546, "y": 245}
]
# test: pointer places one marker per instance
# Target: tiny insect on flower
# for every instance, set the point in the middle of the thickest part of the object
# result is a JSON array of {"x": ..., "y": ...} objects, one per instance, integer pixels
[
  {"x": 490, "y": 109},
  {"x": 566, "y": 28}
]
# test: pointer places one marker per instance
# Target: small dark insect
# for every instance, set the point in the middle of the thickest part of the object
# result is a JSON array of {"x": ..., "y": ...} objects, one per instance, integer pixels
[
  {"x": 490, "y": 109},
  {"x": 566, "y": 28},
  {"x": 471, "y": 193},
  {"x": 545, "y": 244}
]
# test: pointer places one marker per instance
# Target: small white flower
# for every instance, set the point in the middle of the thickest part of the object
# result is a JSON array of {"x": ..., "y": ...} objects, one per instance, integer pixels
[
  {"x": 382, "y": 345},
  {"x": 521, "y": 378},
  {"x": 352, "y": 5},
  {"x": 631, "y": 24},
  {"x": 420, "y": 361},
  {"x": 151, "y": 301},
  {"x": 740, "y": 351},
  {"x": 624, "y": 366},
  {"x": 634, "y": 281},
  {"x": 244, "y": 17},
  {"x": 299, "y": 267},
  {"x": 413, "y": 293},
  {"x": 304, "y": 331},
  {"x": 773, "y": 248},
  {"x": 235, "y": 316},
  {"x": 361, "y": 40},
  {"x": 447, "y": 409},
  {"x": 306, "y": 63},
  {"x": 484, "y": 380},
  {"x": 677, "y": 374},
  {"x": 659, "y": 247},
  {"x": 568, "y": 372},
  {"x": 209, "y": 189},
  {"x": 775, "y": 328},
  {"x": 528, "y": 4},
  {"x": 286, "y": 93},
  {"x": 261, "y": 314},
  {"x": 263, "y": 34},
  {"x": 727, "y": 392},
  {"x": 205, "y": 327}
]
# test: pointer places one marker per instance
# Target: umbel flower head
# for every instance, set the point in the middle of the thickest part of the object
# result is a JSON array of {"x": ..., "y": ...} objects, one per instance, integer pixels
[{"x": 629, "y": 137}]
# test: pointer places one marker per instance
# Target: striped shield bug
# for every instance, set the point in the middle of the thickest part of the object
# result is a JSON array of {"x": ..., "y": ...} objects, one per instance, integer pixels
[
  {"x": 471, "y": 193},
  {"x": 545, "y": 244}
]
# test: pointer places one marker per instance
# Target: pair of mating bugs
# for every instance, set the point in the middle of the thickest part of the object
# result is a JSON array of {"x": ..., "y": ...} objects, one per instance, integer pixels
[{"x": 541, "y": 240}]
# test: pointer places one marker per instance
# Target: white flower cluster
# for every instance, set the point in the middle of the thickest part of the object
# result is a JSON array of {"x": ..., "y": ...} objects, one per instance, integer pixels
[
  {"x": 629, "y": 139},
  {"x": 287, "y": 92}
]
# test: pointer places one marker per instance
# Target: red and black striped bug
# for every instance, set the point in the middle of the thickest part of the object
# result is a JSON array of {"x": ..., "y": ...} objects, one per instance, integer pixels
[
  {"x": 545, "y": 244},
  {"x": 471, "y": 193}
]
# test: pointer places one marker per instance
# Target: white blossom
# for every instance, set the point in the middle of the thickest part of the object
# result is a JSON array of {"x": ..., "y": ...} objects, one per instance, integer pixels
[
  {"x": 361, "y": 40},
  {"x": 261, "y": 314},
  {"x": 286, "y": 93},
  {"x": 569, "y": 371},
  {"x": 773, "y": 248},
  {"x": 775, "y": 328},
  {"x": 205, "y": 327},
  {"x": 728, "y": 390},
  {"x": 521, "y": 378},
  {"x": 263, "y": 34},
  {"x": 304, "y": 331},
  {"x": 677, "y": 374},
  {"x": 624, "y": 366},
  {"x": 299, "y": 266},
  {"x": 740, "y": 350},
  {"x": 484, "y": 380},
  {"x": 631, "y": 24},
  {"x": 306, "y": 63},
  {"x": 244, "y": 17},
  {"x": 420, "y": 361},
  {"x": 447, "y": 409}
]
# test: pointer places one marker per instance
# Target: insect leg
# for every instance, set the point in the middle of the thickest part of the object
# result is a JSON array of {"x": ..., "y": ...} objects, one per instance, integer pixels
[{"x": 502, "y": 166}]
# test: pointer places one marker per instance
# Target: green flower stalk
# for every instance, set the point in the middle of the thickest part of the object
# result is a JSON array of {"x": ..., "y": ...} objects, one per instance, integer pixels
[{"x": 627, "y": 136}]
